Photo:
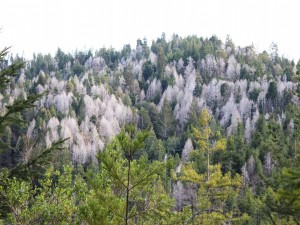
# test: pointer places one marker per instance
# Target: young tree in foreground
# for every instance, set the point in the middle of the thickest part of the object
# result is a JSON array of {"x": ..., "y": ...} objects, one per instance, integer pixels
[{"x": 127, "y": 189}]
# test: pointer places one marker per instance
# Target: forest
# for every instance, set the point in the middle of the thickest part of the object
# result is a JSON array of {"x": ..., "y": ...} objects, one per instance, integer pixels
[{"x": 190, "y": 130}]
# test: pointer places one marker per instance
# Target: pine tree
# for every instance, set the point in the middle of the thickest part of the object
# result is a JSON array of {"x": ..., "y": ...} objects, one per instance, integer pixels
[
  {"x": 144, "y": 122},
  {"x": 32, "y": 164},
  {"x": 289, "y": 193},
  {"x": 203, "y": 139},
  {"x": 166, "y": 122},
  {"x": 133, "y": 191},
  {"x": 161, "y": 62},
  {"x": 217, "y": 198}
]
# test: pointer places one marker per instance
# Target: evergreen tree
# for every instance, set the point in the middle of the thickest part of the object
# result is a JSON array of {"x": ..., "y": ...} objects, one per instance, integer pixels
[
  {"x": 217, "y": 198},
  {"x": 144, "y": 122},
  {"x": 161, "y": 62},
  {"x": 33, "y": 164},
  {"x": 166, "y": 122},
  {"x": 203, "y": 139},
  {"x": 133, "y": 192}
]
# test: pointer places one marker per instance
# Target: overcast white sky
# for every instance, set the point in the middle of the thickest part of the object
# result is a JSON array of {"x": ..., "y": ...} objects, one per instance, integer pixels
[{"x": 44, "y": 25}]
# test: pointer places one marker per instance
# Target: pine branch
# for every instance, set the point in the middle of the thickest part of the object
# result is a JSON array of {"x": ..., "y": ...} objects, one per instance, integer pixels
[
  {"x": 43, "y": 158},
  {"x": 7, "y": 73},
  {"x": 18, "y": 106}
]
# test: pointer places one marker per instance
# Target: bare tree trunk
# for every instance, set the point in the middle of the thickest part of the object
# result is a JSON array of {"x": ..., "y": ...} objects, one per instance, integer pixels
[
  {"x": 207, "y": 164},
  {"x": 127, "y": 193}
]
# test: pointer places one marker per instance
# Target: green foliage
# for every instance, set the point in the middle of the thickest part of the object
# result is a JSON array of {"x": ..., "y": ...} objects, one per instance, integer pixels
[
  {"x": 289, "y": 192},
  {"x": 272, "y": 91},
  {"x": 154, "y": 148},
  {"x": 18, "y": 106},
  {"x": 34, "y": 165},
  {"x": 166, "y": 122},
  {"x": 132, "y": 181},
  {"x": 62, "y": 59},
  {"x": 144, "y": 122},
  {"x": 148, "y": 70},
  {"x": 203, "y": 139},
  {"x": 8, "y": 72},
  {"x": 55, "y": 200},
  {"x": 253, "y": 95},
  {"x": 197, "y": 90},
  {"x": 161, "y": 62},
  {"x": 15, "y": 188},
  {"x": 217, "y": 198},
  {"x": 132, "y": 188}
]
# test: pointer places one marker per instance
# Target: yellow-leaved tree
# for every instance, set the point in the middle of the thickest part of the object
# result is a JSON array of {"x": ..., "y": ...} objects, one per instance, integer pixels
[
  {"x": 216, "y": 198},
  {"x": 216, "y": 193},
  {"x": 203, "y": 139}
]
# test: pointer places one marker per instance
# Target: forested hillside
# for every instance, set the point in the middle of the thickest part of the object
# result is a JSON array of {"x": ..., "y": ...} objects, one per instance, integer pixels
[{"x": 182, "y": 131}]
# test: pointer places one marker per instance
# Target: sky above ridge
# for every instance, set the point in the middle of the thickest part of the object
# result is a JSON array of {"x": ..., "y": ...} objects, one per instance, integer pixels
[{"x": 41, "y": 26}]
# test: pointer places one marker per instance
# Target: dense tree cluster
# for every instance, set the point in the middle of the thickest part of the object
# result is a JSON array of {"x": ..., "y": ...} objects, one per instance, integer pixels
[{"x": 185, "y": 131}]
